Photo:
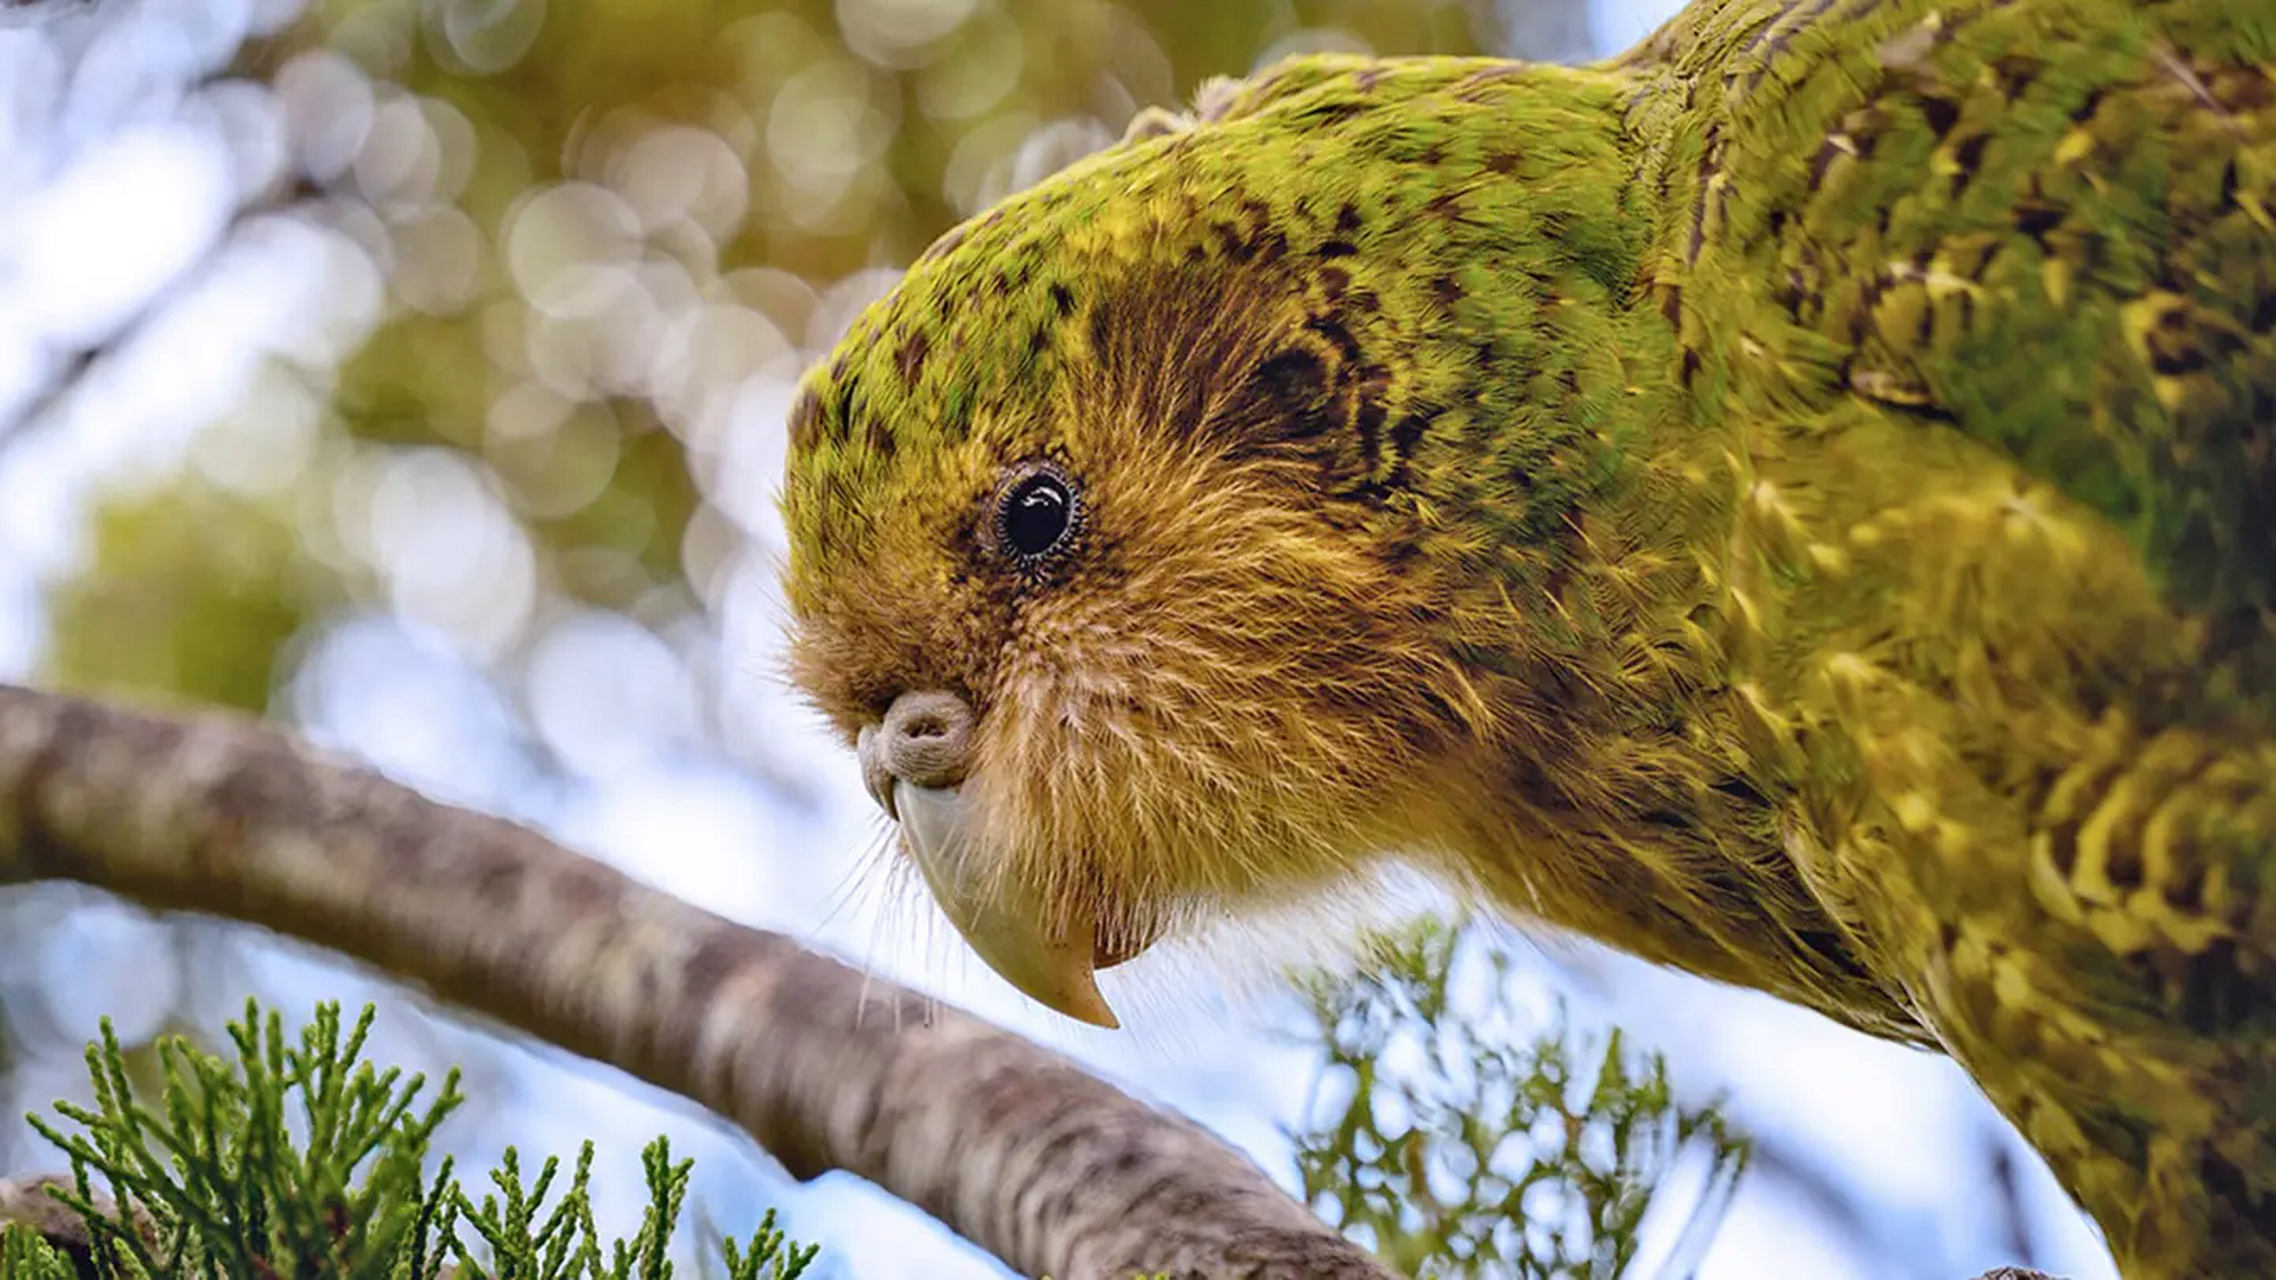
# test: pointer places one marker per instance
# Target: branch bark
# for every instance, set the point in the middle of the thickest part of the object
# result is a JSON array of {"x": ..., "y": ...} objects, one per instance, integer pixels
[{"x": 1012, "y": 1146}]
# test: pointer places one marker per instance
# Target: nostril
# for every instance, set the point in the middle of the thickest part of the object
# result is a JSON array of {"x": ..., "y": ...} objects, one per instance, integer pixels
[
  {"x": 927, "y": 725},
  {"x": 927, "y": 739}
]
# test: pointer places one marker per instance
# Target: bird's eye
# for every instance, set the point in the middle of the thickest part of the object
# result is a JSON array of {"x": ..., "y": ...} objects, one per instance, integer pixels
[{"x": 1037, "y": 514}]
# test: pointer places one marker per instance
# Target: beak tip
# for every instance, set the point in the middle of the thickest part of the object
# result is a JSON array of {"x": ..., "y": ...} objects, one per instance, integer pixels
[
  {"x": 1058, "y": 977},
  {"x": 1084, "y": 1004}
]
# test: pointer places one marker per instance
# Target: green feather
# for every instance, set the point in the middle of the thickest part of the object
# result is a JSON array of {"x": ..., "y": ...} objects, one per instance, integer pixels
[{"x": 1797, "y": 502}]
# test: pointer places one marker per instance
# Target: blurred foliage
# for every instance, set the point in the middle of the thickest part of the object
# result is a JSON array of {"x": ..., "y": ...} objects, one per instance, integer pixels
[
  {"x": 1458, "y": 1148},
  {"x": 301, "y": 1159},
  {"x": 204, "y": 618},
  {"x": 610, "y": 231}
]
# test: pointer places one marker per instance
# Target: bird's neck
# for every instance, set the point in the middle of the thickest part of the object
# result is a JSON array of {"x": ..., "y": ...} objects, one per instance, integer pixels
[{"x": 1615, "y": 796}]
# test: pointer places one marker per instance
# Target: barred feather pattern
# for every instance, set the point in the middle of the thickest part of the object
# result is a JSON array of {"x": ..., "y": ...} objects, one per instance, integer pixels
[{"x": 1794, "y": 502}]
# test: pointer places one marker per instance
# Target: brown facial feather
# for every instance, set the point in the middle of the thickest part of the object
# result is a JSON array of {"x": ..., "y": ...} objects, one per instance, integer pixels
[{"x": 1212, "y": 688}]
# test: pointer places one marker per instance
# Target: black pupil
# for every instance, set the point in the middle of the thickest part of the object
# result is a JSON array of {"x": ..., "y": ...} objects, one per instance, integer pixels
[{"x": 1035, "y": 516}]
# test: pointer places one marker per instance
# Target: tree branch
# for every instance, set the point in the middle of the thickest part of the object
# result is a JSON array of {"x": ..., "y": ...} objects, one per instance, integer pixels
[{"x": 1014, "y": 1147}]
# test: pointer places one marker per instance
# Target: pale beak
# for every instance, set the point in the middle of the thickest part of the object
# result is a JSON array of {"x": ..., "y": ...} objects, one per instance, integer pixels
[{"x": 1006, "y": 927}]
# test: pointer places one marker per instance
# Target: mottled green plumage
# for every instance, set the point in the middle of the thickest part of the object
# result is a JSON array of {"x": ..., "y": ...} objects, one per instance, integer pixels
[
  {"x": 979, "y": 337},
  {"x": 1795, "y": 502}
]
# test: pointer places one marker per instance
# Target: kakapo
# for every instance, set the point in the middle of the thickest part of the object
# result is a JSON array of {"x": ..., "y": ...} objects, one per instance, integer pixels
[{"x": 1796, "y": 502}]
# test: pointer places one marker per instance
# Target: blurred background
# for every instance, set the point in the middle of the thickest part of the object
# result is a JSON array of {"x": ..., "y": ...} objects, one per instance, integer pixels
[{"x": 413, "y": 372}]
